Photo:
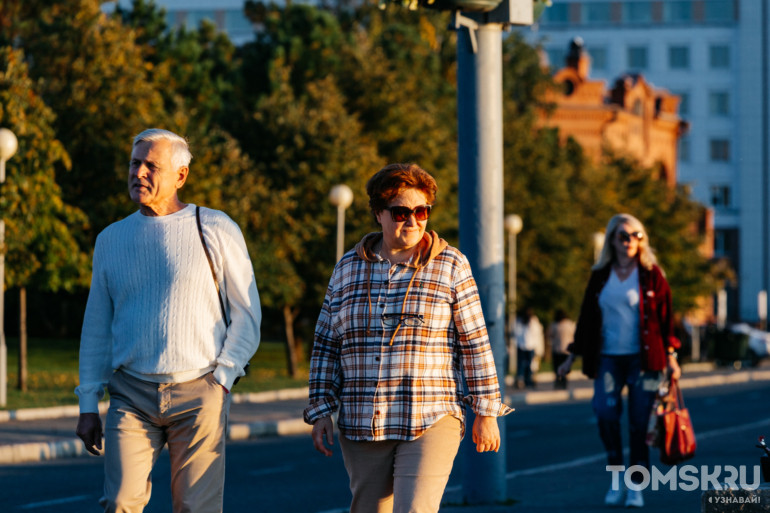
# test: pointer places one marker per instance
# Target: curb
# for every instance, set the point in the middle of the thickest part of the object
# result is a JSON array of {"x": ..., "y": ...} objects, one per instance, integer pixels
[
  {"x": 586, "y": 393},
  {"x": 41, "y": 451},
  {"x": 54, "y": 412},
  {"x": 72, "y": 448}
]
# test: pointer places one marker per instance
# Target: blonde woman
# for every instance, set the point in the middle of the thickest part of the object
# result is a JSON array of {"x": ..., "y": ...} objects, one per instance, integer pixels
[{"x": 625, "y": 337}]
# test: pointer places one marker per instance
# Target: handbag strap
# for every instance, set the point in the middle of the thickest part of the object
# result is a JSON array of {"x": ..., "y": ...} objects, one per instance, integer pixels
[
  {"x": 676, "y": 395},
  {"x": 211, "y": 263}
]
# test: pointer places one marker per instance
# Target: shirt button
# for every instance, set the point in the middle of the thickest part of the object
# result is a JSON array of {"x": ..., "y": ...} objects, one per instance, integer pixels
[
  {"x": 646, "y": 347},
  {"x": 376, "y": 358},
  {"x": 377, "y": 412}
]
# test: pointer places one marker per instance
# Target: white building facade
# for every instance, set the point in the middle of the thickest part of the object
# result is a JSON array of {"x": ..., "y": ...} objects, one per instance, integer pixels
[{"x": 714, "y": 55}]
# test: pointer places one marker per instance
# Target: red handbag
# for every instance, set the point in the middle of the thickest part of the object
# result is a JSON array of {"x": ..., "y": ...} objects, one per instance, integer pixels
[{"x": 676, "y": 440}]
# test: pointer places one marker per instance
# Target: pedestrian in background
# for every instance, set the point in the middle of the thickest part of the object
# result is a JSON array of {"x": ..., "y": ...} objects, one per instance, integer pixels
[
  {"x": 156, "y": 335},
  {"x": 625, "y": 335},
  {"x": 400, "y": 326},
  {"x": 530, "y": 346},
  {"x": 560, "y": 334}
]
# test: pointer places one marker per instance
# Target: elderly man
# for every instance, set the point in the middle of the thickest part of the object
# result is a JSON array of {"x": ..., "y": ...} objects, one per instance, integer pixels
[{"x": 162, "y": 339}]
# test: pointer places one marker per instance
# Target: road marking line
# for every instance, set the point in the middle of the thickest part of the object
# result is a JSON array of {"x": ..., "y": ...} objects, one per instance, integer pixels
[
  {"x": 64, "y": 500},
  {"x": 598, "y": 457}
]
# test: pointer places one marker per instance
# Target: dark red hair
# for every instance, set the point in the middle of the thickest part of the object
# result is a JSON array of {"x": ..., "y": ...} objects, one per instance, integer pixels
[{"x": 391, "y": 180}]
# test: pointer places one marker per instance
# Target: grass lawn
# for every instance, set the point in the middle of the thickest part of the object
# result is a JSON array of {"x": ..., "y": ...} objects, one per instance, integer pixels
[{"x": 52, "y": 372}]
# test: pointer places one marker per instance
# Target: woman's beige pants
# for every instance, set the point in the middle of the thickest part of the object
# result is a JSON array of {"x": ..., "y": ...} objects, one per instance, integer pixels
[{"x": 402, "y": 477}]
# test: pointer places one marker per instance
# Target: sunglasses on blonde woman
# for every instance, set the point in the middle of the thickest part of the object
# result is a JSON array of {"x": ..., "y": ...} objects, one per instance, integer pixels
[
  {"x": 626, "y": 237},
  {"x": 400, "y": 214}
]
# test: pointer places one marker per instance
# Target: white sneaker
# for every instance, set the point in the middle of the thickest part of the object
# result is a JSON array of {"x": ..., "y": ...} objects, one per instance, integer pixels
[
  {"x": 634, "y": 499},
  {"x": 614, "y": 497}
]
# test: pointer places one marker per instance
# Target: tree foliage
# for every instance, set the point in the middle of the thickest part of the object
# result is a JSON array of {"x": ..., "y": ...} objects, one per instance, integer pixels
[
  {"x": 44, "y": 236},
  {"x": 318, "y": 98}
]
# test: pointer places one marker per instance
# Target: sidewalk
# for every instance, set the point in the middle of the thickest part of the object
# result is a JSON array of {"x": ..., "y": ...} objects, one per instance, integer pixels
[{"x": 48, "y": 433}]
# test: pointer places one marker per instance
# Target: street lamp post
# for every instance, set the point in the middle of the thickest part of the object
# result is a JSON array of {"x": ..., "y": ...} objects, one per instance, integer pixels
[
  {"x": 341, "y": 196},
  {"x": 598, "y": 245},
  {"x": 513, "y": 225},
  {"x": 8, "y": 146}
]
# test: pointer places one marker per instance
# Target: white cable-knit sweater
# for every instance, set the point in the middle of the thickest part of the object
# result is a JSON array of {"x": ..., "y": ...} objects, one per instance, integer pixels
[{"x": 153, "y": 310}]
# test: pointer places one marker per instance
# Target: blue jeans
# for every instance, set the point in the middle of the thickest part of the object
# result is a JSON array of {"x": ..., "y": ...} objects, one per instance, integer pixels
[
  {"x": 616, "y": 372},
  {"x": 524, "y": 365}
]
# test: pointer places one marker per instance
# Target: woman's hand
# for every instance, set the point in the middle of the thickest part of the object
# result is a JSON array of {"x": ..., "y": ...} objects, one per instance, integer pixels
[
  {"x": 323, "y": 428},
  {"x": 565, "y": 367},
  {"x": 673, "y": 367},
  {"x": 486, "y": 434}
]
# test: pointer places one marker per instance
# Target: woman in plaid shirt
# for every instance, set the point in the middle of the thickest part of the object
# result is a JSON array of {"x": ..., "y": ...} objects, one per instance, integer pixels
[{"x": 400, "y": 325}]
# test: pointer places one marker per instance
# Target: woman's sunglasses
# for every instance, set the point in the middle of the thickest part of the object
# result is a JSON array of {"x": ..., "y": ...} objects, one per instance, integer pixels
[
  {"x": 401, "y": 214},
  {"x": 626, "y": 237}
]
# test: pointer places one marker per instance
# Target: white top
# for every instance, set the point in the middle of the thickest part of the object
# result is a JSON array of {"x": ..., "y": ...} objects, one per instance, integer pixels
[
  {"x": 562, "y": 334},
  {"x": 153, "y": 310},
  {"x": 619, "y": 302},
  {"x": 529, "y": 336}
]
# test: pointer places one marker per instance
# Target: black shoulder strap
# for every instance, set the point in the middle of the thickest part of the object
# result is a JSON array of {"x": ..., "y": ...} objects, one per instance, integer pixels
[{"x": 211, "y": 263}]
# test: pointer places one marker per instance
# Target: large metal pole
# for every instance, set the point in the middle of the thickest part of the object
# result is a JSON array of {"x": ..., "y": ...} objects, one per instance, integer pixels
[
  {"x": 8, "y": 146},
  {"x": 3, "y": 347},
  {"x": 480, "y": 155}
]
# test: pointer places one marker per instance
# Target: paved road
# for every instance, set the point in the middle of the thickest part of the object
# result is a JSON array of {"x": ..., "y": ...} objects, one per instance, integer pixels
[{"x": 555, "y": 463}]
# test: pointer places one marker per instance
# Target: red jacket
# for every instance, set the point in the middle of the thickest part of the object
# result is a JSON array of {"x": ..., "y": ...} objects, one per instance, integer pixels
[{"x": 656, "y": 326}]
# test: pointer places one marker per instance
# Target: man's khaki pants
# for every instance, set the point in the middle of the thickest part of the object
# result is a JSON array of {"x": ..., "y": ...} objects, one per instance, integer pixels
[
  {"x": 402, "y": 477},
  {"x": 190, "y": 417}
]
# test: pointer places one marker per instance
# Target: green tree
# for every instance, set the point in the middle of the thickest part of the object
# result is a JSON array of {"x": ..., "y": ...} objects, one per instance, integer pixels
[
  {"x": 199, "y": 66},
  {"x": 399, "y": 81},
  {"x": 92, "y": 73},
  {"x": 395, "y": 70},
  {"x": 303, "y": 145},
  {"x": 44, "y": 235}
]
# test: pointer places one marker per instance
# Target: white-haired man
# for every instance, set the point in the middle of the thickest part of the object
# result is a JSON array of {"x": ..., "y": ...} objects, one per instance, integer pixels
[{"x": 162, "y": 339}]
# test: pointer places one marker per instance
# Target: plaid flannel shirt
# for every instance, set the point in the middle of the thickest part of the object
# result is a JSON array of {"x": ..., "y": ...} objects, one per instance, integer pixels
[{"x": 396, "y": 392}]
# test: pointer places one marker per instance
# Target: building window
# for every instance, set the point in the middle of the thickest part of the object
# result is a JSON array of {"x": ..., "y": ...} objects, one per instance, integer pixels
[
  {"x": 598, "y": 57},
  {"x": 719, "y": 10},
  {"x": 720, "y": 196},
  {"x": 596, "y": 13},
  {"x": 677, "y": 11},
  {"x": 684, "y": 149},
  {"x": 679, "y": 57},
  {"x": 719, "y": 103},
  {"x": 724, "y": 242},
  {"x": 556, "y": 14},
  {"x": 684, "y": 102},
  {"x": 637, "y": 57},
  {"x": 719, "y": 150},
  {"x": 637, "y": 13},
  {"x": 556, "y": 58},
  {"x": 719, "y": 56}
]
